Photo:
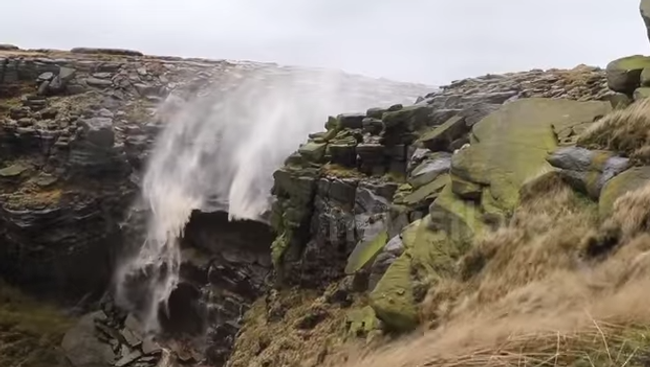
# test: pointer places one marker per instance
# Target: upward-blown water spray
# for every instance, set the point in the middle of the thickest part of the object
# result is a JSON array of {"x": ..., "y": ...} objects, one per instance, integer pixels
[{"x": 223, "y": 148}]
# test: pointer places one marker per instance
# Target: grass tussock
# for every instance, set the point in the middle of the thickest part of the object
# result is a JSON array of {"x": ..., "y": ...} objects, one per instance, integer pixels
[
  {"x": 626, "y": 131},
  {"x": 532, "y": 294},
  {"x": 30, "y": 331}
]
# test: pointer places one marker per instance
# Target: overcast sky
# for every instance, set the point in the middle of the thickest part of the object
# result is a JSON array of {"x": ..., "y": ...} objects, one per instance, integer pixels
[{"x": 429, "y": 41}]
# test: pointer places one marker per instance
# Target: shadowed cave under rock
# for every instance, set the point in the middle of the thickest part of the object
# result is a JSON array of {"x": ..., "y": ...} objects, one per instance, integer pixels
[{"x": 224, "y": 268}]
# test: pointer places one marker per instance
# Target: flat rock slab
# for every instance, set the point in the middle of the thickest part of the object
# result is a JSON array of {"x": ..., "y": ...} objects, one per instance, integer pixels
[{"x": 512, "y": 143}]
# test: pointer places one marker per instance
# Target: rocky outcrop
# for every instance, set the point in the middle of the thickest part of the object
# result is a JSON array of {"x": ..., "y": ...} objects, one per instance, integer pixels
[
  {"x": 379, "y": 205},
  {"x": 76, "y": 129}
]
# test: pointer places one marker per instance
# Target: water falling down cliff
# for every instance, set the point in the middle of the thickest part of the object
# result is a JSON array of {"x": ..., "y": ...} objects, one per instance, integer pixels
[{"x": 218, "y": 151}]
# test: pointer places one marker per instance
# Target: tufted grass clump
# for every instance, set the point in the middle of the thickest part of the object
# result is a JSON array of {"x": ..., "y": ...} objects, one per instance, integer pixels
[
  {"x": 534, "y": 293},
  {"x": 626, "y": 131},
  {"x": 30, "y": 331}
]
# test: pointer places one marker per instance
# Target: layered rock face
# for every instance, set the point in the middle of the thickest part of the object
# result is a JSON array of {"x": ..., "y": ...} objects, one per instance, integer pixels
[
  {"x": 373, "y": 211},
  {"x": 77, "y": 129}
]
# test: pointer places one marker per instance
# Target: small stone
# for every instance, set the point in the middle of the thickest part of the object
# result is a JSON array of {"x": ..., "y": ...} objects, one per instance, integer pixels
[
  {"x": 105, "y": 113},
  {"x": 131, "y": 338},
  {"x": 66, "y": 74},
  {"x": 127, "y": 359},
  {"x": 13, "y": 170},
  {"x": 99, "y": 83},
  {"x": 8, "y": 47},
  {"x": 45, "y": 180},
  {"x": 102, "y": 75},
  {"x": 47, "y": 76},
  {"x": 149, "y": 346}
]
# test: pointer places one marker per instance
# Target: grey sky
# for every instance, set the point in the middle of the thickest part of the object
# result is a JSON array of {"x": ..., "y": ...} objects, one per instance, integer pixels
[{"x": 430, "y": 41}]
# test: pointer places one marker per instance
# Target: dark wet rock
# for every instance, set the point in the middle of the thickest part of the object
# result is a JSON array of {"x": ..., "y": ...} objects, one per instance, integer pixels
[
  {"x": 429, "y": 170},
  {"x": 99, "y": 131},
  {"x": 8, "y": 47},
  {"x": 107, "y": 51}
]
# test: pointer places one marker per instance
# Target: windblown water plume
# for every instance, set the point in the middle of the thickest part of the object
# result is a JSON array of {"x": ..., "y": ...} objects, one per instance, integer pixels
[{"x": 218, "y": 152}]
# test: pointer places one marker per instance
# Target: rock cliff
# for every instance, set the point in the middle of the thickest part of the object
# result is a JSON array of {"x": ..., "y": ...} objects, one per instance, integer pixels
[{"x": 76, "y": 131}]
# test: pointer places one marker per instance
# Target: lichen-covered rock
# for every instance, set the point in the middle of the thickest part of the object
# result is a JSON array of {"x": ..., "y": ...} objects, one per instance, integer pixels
[
  {"x": 441, "y": 137},
  {"x": 392, "y": 299},
  {"x": 313, "y": 152},
  {"x": 588, "y": 171},
  {"x": 624, "y": 75},
  {"x": 461, "y": 219},
  {"x": 512, "y": 143},
  {"x": 430, "y": 169},
  {"x": 409, "y": 118},
  {"x": 641, "y": 93},
  {"x": 366, "y": 251},
  {"x": 632, "y": 179}
]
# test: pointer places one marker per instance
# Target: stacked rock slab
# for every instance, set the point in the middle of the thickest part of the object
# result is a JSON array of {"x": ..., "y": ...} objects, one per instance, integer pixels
[{"x": 438, "y": 171}]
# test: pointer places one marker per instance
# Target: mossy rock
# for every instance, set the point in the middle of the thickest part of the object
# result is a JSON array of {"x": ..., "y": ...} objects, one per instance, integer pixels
[
  {"x": 410, "y": 118},
  {"x": 427, "y": 192},
  {"x": 409, "y": 234},
  {"x": 440, "y": 137},
  {"x": 460, "y": 219},
  {"x": 365, "y": 252},
  {"x": 361, "y": 321},
  {"x": 465, "y": 189},
  {"x": 13, "y": 171},
  {"x": 632, "y": 179},
  {"x": 434, "y": 252},
  {"x": 312, "y": 151},
  {"x": 641, "y": 93},
  {"x": 620, "y": 101},
  {"x": 278, "y": 249},
  {"x": 512, "y": 143},
  {"x": 392, "y": 299},
  {"x": 624, "y": 74}
]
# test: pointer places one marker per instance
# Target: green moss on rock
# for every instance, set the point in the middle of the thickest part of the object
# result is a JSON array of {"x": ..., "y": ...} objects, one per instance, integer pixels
[
  {"x": 360, "y": 322},
  {"x": 364, "y": 252},
  {"x": 512, "y": 143},
  {"x": 426, "y": 192},
  {"x": 278, "y": 248},
  {"x": 392, "y": 299},
  {"x": 624, "y": 74},
  {"x": 409, "y": 118},
  {"x": 440, "y": 137},
  {"x": 632, "y": 179},
  {"x": 312, "y": 151},
  {"x": 641, "y": 93},
  {"x": 461, "y": 219}
]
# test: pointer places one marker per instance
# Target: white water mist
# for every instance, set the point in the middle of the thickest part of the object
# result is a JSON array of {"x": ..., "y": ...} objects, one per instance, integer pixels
[{"x": 221, "y": 149}]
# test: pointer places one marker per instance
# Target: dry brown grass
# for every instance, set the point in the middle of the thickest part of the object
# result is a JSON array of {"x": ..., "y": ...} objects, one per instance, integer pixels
[
  {"x": 531, "y": 295},
  {"x": 626, "y": 131}
]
